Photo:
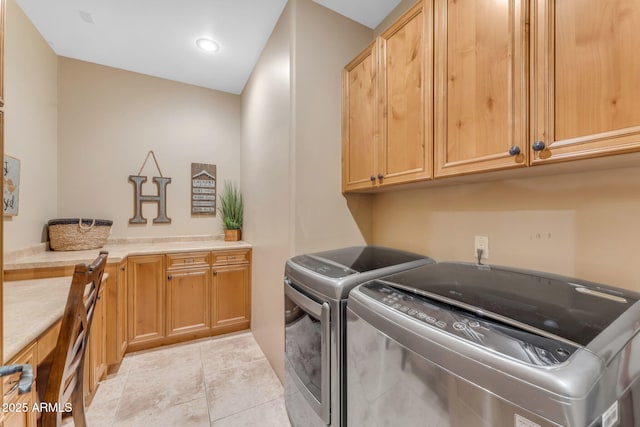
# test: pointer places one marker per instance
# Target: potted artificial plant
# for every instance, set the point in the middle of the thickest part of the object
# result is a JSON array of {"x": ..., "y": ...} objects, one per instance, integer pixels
[{"x": 231, "y": 208}]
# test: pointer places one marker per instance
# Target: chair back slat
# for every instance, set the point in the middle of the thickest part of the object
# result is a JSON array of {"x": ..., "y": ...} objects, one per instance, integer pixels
[{"x": 66, "y": 378}]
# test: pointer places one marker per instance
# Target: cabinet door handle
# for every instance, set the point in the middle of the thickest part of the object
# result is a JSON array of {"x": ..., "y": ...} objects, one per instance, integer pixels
[
  {"x": 12, "y": 389},
  {"x": 514, "y": 151},
  {"x": 372, "y": 178},
  {"x": 215, "y": 273},
  {"x": 169, "y": 277},
  {"x": 380, "y": 176},
  {"x": 123, "y": 268},
  {"x": 538, "y": 146}
]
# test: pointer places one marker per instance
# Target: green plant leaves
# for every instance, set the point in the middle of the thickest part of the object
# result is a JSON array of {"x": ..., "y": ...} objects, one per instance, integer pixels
[{"x": 231, "y": 206}]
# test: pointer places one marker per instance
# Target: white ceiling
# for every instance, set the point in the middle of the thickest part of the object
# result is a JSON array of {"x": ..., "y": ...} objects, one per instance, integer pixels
[
  {"x": 367, "y": 12},
  {"x": 157, "y": 37}
]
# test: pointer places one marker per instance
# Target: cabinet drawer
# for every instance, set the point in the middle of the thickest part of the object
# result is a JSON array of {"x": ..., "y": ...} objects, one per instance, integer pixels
[
  {"x": 190, "y": 259},
  {"x": 10, "y": 382},
  {"x": 230, "y": 257}
]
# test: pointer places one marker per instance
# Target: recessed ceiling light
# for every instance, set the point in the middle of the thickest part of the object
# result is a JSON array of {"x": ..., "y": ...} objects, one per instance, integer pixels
[{"x": 207, "y": 45}]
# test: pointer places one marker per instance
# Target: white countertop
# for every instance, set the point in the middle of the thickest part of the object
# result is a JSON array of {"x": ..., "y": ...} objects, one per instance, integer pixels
[
  {"x": 30, "y": 308},
  {"x": 118, "y": 252}
]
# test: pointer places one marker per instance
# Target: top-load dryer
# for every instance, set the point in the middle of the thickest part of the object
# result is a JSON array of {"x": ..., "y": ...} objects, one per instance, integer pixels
[
  {"x": 455, "y": 344},
  {"x": 316, "y": 289}
]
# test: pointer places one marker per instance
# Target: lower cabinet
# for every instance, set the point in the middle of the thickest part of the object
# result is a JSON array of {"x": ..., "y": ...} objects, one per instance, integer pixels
[
  {"x": 121, "y": 311},
  {"x": 146, "y": 300},
  {"x": 19, "y": 411},
  {"x": 17, "y": 408},
  {"x": 231, "y": 298},
  {"x": 95, "y": 365},
  {"x": 188, "y": 292},
  {"x": 178, "y": 297},
  {"x": 116, "y": 312}
]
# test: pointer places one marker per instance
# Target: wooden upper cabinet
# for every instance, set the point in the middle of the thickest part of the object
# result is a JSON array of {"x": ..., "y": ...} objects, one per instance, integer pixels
[
  {"x": 405, "y": 98},
  {"x": 587, "y": 78},
  {"x": 359, "y": 121},
  {"x": 480, "y": 86},
  {"x": 387, "y": 106}
]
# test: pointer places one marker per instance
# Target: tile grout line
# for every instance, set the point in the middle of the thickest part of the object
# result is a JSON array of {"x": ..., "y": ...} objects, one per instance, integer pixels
[
  {"x": 248, "y": 409},
  {"x": 124, "y": 387},
  {"x": 204, "y": 384}
]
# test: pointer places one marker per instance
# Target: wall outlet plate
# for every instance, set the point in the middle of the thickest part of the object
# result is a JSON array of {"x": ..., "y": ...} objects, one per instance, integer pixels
[{"x": 481, "y": 242}]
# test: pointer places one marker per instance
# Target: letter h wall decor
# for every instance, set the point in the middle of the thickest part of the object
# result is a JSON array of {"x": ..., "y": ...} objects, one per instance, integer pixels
[{"x": 160, "y": 199}]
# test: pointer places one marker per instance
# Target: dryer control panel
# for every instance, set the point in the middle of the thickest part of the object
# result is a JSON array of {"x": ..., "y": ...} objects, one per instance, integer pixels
[{"x": 480, "y": 330}]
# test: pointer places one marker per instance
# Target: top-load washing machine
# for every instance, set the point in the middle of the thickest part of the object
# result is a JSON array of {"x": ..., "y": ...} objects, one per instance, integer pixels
[
  {"x": 316, "y": 290},
  {"x": 458, "y": 345}
]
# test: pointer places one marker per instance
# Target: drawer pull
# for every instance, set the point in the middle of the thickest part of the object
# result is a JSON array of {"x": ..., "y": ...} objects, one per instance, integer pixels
[
  {"x": 538, "y": 146},
  {"x": 231, "y": 257},
  {"x": 23, "y": 385},
  {"x": 189, "y": 261},
  {"x": 12, "y": 389}
]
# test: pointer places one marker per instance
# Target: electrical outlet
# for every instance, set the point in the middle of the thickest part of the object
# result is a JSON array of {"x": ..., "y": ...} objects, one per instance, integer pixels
[{"x": 481, "y": 242}]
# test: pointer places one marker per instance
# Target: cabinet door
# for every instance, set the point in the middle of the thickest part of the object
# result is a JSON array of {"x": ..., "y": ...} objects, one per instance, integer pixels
[
  {"x": 98, "y": 336},
  {"x": 18, "y": 407},
  {"x": 231, "y": 298},
  {"x": 146, "y": 299},
  {"x": 111, "y": 310},
  {"x": 20, "y": 413},
  {"x": 359, "y": 121},
  {"x": 188, "y": 296},
  {"x": 95, "y": 366},
  {"x": 405, "y": 98},
  {"x": 586, "y": 87},
  {"x": 121, "y": 311},
  {"x": 480, "y": 86}
]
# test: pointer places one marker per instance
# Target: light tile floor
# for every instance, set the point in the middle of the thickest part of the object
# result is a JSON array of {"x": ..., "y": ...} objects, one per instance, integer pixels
[{"x": 221, "y": 382}]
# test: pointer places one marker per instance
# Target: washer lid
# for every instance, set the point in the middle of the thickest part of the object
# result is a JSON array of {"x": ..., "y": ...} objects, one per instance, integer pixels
[
  {"x": 352, "y": 260},
  {"x": 573, "y": 310}
]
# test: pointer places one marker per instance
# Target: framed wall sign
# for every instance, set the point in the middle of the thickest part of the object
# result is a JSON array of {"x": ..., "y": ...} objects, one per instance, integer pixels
[
  {"x": 203, "y": 189},
  {"x": 11, "y": 185}
]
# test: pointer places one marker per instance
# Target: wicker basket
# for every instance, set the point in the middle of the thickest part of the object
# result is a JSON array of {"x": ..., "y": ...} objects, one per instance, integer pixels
[{"x": 77, "y": 234}]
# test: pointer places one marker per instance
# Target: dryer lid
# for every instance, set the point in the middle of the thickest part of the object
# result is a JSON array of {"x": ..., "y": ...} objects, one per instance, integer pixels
[
  {"x": 352, "y": 260},
  {"x": 575, "y": 310}
]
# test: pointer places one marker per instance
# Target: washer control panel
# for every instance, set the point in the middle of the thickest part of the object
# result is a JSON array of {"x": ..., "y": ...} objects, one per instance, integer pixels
[
  {"x": 326, "y": 269},
  {"x": 489, "y": 333}
]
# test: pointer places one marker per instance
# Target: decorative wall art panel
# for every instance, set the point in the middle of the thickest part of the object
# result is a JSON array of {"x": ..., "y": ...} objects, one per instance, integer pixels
[
  {"x": 11, "y": 185},
  {"x": 203, "y": 189}
]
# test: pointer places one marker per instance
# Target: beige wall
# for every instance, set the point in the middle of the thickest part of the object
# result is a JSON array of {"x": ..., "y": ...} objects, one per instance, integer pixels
[
  {"x": 401, "y": 8},
  {"x": 291, "y": 155},
  {"x": 109, "y": 119},
  {"x": 266, "y": 178},
  {"x": 583, "y": 225},
  {"x": 30, "y": 127},
  {"x": 322, "y": 218}
]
